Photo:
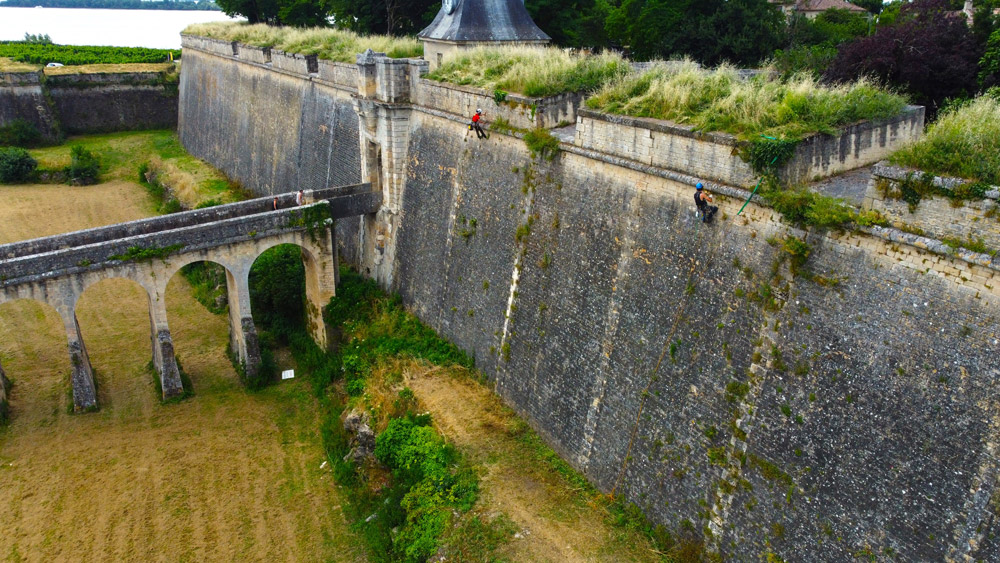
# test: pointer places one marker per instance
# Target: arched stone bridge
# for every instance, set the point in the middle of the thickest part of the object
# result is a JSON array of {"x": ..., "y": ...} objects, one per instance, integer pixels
[{"x": 58, "y": 269}]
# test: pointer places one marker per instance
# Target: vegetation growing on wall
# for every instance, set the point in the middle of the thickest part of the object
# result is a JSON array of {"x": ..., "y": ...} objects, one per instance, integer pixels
[
  {"x": 44, "y": 53},
  {"x": 20, "y": 133},
  {"x": 963, "y": 142},
  {"x": 331, "y": 44},
  {"x": 532, "y": 71},
  {"x": 719, "y": 100}
]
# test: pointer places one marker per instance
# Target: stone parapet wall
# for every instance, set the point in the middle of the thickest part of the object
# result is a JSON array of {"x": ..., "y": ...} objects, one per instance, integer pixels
[
  {"x": 715, "y": 156},
  {"x": 520, "y": 111},
  {"x": 22, "y": 96},
  {"x": 937, "y": 216},
  {"x": 20, "y": 78}
]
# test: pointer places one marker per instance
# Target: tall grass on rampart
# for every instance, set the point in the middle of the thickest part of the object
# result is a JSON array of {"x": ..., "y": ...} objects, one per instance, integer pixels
[
  {"x": 963, "y": 142},
  {"x": 532, "y": 71},
  {"x": 719, "y": 100},
  {"x": 332, "y": 44}
]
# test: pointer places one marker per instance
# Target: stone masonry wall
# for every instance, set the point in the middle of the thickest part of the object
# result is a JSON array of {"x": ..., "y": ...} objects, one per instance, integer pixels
[
  {"x": 809, "y": 419},
  {"x": 274, "y": 130},
  {"x": 713, "y": 156},
  {"x": 938, "y": 216},
  {"x": 22, "y": 97},
  {"x": 89, "y": 103},
  {"x": 519, "y": 111}
]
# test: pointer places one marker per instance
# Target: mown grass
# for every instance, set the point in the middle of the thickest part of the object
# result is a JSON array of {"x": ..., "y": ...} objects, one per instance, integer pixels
[
  {"x": 9, "y": 65},
  {"x": 110, "y": 68},
  {"x": 332, "y": 44},
  {"x": 191, "y": 181},
  {"x": 718, "y": 100},
  {"x": 532, "y": 71},
  {"x": 963, "y": 142}
]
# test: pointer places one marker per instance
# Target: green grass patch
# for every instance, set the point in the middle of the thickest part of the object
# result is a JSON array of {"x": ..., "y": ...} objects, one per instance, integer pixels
[
  {"x": 719, "y": 100},
  {"x": 531, "y": 71},
  {"x": 326, "y": 43},
  {"x": 964, "y": 142}
]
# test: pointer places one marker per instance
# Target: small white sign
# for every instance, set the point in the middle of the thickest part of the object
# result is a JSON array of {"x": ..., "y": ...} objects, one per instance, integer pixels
[{"x": 288, "y": 374}]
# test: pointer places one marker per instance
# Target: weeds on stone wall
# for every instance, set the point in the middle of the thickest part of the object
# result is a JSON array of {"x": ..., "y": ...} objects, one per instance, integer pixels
[
  {"x": 916, "y": 187},
  {"x": 140, "y": 254},
  {"x": 974, "y": 245},
  {"x": 502, "y": 125},
  {"x": 541, "y": 142},
  {"x": 314, "y": 218},
  {"x": 767, "y": 155}
]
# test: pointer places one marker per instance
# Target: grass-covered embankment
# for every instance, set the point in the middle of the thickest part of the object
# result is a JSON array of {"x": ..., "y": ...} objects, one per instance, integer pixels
[
  {"x": 454, "y": 472},
  {"x": 180, "y": 180},
  {"x": 964, "y": 142},
  {"x": 719, "y": 100},
  {"x": 331, "y": 44},
  {"x": 531, "y": 71}
]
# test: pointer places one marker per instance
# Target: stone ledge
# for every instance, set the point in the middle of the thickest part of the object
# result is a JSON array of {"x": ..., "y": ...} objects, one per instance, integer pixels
[{"x": 889, "y": 171}]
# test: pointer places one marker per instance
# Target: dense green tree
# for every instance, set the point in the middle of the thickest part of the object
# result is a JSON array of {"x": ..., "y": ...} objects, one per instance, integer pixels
[
  {"x": 873, "y": 6},
  {"x": 710, "y": 31},
  {"x": 395, "y": 17},
  {"x": 813, "y": 43},
  {"x": 571, "y": 23},
  {"x": 255, "y": 11},
  {"x": 926, "y": 52}
]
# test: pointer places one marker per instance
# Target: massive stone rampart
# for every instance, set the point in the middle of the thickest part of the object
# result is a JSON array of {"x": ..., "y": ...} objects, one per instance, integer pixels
[
  {"x": 89, "y": 102},
  {"x": 842, "y": 411},
  {"x": 264, "y": 119}
]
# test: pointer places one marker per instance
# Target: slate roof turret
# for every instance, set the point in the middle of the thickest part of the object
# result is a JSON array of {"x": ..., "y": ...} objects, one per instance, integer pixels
[{"x": 483, "y": 20}]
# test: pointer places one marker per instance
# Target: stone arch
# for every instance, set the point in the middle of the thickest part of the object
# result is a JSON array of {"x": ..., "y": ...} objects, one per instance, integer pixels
[
  {"x": 318, "y": 261},
  {"x": 33, "y": 352},
  {"x": 109, "y": 312}
]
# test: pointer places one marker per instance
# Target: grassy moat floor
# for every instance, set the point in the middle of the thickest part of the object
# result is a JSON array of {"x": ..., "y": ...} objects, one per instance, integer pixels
[{"x": 226, "y": 475}]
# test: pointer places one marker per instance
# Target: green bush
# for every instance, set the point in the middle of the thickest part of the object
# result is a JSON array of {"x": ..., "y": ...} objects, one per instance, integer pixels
[
  {"x": 16, "y": 165},
  {"x": 277, "y": 290},
  {"x": 20, "y": 133},
  {"x": 84, "y": 167}
]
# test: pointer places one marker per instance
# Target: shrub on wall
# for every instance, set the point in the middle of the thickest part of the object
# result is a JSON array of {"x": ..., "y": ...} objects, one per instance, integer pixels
[{"x": 16, "y": 165}]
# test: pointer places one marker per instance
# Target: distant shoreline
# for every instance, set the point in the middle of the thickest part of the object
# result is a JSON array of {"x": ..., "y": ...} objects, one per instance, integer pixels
[{"x": 205, "y": 5}]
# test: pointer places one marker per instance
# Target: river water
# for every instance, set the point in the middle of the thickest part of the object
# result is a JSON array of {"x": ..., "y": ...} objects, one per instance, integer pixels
[{"x": 126, "y": 28}]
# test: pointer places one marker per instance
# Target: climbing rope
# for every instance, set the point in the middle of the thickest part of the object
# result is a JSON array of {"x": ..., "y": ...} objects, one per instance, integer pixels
[{"x": 656, "y": 369}]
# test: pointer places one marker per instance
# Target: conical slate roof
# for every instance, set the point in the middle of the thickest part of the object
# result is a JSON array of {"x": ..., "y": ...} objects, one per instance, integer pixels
[{"x": 483, "y": 20}]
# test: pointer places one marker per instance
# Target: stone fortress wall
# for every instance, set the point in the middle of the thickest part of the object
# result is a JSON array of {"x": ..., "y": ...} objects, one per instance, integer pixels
[
  {"x": 89, "y": 102},
  {"x": 845, "y": 411}
]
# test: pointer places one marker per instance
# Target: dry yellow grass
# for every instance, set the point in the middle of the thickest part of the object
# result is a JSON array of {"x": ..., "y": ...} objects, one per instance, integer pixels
[
  {"x": 109, "y": 68},
  {"x": 8, "y": 65},
  {"x": 224, "y": 476}
]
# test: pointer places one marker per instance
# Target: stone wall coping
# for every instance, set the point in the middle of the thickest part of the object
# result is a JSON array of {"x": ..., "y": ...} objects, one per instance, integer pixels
[
  {"x": 672, "y": 128},
  {"x": 511, "y": 96},
  {"x": 889, "y": 171},
  {"x": 166, "y": 222}
]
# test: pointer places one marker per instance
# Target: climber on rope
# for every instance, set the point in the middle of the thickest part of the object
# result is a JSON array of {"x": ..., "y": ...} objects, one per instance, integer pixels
[
  {"x": 702, "y": 199},
  {"x": 476, "y": 125}
]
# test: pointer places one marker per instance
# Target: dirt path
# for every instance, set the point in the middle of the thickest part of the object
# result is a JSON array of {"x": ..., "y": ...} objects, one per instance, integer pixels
[
  {"x": 224, "y": 476},
  {"x": 557, "y": 522}
]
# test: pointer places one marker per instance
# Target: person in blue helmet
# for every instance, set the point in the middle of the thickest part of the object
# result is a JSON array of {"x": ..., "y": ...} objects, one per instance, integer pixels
[{"x": 702, "y": 199}]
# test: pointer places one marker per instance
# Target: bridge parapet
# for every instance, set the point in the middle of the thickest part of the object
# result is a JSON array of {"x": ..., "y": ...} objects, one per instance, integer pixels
[{"x": 57, "y": 270}]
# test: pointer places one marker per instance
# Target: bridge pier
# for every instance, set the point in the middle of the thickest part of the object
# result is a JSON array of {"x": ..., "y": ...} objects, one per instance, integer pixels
[
  {"x": 164, "y": 359},
  {"x": 84, "y": 390},
  {"x": 322, "y": 275},
  {"x": 242, "y": 331}
]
